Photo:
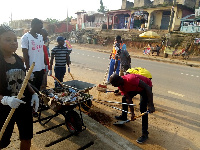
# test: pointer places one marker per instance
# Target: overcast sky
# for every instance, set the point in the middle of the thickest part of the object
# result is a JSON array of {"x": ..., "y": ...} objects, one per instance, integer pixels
[{"x": 42, "y": 9}]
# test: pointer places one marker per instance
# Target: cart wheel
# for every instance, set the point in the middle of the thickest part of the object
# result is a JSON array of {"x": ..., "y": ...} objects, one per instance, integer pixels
[
  {"x": 73, "y": 122},
  {"x": 86, "y": 105}
]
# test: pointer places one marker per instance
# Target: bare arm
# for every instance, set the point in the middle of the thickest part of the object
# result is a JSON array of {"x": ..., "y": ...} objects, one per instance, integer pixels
[
  {"x": 26, "y": 57},
  {"x": 149, "y": 93},
  {"x": 129, "y": 59},
  {"x": 116, "y": 63},
  {"x": 147, "y": 88},
  {"x": 67, "y": 58},
  {"x": 51, "y": 61},
  {"x": 45, "y": 62},
  {"x": 30, "y": 89},
  {"x": 1, "y": 97}
]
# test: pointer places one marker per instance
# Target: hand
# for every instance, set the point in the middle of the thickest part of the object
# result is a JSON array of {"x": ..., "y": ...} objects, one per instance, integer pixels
[
  {"x": 13, "y": 102},
  {"x": 35, "y": 100},
  {"x": 116, "y": 48},
  {"x": 151, "y": 108},
  {"x": 46, "y": 68},
  {"x": 68, "y": 69},
  {"x": 133, "y": 117},
  {"x": 50, "y": 73}
]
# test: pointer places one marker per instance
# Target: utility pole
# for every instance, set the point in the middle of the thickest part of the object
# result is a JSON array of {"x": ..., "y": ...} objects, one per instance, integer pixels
[
  {"x": 10, "y": 22},
  {"x": 67, "y": 19}
]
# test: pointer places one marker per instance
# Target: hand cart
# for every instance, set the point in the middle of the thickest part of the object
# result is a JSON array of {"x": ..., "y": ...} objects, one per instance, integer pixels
[{"x": 62, "y": 100}]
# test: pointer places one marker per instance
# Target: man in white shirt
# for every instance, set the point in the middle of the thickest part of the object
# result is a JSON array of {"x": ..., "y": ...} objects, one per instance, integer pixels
[{"x": 32, "y": 48}]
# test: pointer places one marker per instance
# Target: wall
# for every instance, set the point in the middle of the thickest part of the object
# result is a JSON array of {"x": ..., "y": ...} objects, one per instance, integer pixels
[
  {"x": 127, "y": 5},
  {"x": 178, "y": 16},
  {"x": 62, "y": 27},
  {"x": 141, "y": 3},
  {"x": 26, "y": 24},
  {"x": 123, "y": 4},
  {"x": 157, "y": 2},
  {"x": 188, "y": 3},
  {"x": 157, "y": 18}
]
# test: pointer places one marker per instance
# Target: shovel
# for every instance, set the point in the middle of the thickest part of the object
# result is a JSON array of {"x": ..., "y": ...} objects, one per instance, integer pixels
[{"x": 121, "y": 122}]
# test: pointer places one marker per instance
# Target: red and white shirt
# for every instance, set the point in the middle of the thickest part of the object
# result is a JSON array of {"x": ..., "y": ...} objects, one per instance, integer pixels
[{"x": 35, "y": 50}]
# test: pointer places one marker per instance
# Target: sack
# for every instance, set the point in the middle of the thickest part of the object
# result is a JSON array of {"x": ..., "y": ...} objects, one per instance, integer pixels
[{"x": 141, "y": 71}]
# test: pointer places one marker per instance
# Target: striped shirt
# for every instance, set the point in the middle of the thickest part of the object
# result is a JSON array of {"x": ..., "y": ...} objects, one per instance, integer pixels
[{"x": 60, "y": 54}]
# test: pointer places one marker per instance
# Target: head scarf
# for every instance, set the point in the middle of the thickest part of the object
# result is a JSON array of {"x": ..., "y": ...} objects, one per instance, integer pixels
[{"x": 5, "y": 28}]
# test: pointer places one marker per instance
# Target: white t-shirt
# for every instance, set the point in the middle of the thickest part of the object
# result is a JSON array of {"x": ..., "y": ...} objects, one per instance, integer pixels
[{"x": 35, "y": 50}]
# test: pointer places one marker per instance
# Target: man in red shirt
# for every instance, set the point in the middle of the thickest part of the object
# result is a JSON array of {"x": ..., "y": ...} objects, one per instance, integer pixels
[{"x": 130, "y": 85}]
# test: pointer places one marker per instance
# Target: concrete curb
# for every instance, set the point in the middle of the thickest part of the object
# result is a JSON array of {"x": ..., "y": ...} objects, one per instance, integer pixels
[{"x": 108, "y": 136}]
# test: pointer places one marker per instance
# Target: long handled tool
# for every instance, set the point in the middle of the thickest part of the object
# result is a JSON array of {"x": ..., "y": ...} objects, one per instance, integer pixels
[
  {"x": 103, "y": 87},
  {"x": 121, "y": 122},
  {"x": 19, "y": 96},
  {"x": 71, "y": 75},
  {"x": 57, "y": 81}
]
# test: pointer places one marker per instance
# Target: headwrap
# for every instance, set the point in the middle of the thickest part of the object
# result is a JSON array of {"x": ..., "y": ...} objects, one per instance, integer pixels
[
  {"x": 5, "y": 28},
  {"x": 3, "y": 81}
]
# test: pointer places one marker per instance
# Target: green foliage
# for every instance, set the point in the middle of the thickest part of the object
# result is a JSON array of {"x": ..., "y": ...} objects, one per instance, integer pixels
[
  {"x": 52, "y": 21},
  {"x": 68, "y": 19},
  {"x": 102, "y": 7}
]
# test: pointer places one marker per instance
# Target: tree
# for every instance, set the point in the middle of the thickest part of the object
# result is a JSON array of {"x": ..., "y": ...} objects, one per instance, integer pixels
[
  {"x": 102, "y": 8},
  {"x": 52, "y": 21}
]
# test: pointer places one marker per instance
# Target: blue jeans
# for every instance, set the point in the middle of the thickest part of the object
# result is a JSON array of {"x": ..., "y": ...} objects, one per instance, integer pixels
[
  {"x": 111, "y": 69},
  {"x": 59, "y": 74}
]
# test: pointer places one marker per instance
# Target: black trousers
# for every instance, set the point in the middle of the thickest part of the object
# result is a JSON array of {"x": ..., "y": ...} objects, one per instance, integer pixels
[
  {"x": 38, "y": 78},
  {"x": 143, "y": 108}
]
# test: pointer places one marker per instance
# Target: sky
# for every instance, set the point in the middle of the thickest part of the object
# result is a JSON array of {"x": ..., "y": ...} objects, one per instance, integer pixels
[{"x": 43, "y": 9}]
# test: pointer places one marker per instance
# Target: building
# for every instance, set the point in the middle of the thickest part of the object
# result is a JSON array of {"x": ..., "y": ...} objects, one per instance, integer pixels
[
  {"x": 160, "y": 14},
  {"x": 91, "y": 20}
]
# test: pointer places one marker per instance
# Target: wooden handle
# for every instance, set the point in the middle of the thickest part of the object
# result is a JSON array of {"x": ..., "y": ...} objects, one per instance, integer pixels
[
  {"x": 71, "y": 76},
  {"x": 19, "y": 96},
  {"x": 104, "y": 80},
  {"x": 141, "y": 114},
  {"x": 57, "y": 81}
]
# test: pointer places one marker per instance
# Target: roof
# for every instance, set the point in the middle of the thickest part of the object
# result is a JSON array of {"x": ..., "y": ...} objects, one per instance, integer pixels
[
  {"x": 190, "y": 17},
  {"x": 118, "y": 11}
]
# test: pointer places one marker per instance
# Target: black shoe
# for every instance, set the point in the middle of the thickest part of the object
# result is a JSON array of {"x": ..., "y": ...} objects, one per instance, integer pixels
[
  {"x": 35, "y": 114},
  {"x": 116, "y": 91},
  {"x": 121, "y": 118},
  {"x": 142, "y": 139}
]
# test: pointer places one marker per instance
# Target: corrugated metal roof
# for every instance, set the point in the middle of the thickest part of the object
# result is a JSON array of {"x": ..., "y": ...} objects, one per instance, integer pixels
[{"x": 190, "y": 17}]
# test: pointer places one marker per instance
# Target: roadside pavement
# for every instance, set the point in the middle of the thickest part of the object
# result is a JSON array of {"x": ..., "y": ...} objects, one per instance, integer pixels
[{"x": 95, "y": 137}]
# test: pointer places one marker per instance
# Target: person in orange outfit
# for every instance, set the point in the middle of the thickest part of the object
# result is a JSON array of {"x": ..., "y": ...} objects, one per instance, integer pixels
[{"x": 118, "y": 44}]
